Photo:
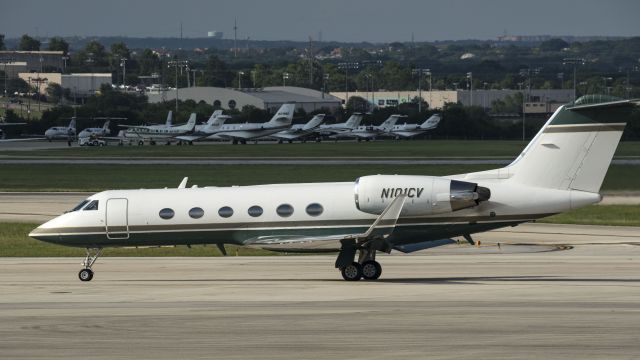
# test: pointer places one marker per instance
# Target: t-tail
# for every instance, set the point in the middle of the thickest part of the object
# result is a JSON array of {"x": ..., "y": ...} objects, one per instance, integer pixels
[
  {"x": 282, "y": 118},
  {"x": 388, "y": 124},
  {"x": 354, "y": 121},
  {"x": 431, "y": 123},
  {"x": 169, "y": 121},
  {"x": 574, "y": 149},
  {"x": 316, "y": 121},
  {"x": 72, "y": 124}
]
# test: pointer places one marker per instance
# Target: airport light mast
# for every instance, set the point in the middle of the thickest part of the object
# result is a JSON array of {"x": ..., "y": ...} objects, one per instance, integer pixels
[
  {"x": 420, "y": 72},
  {"x": 575, "y": 62},
  {"x": 178, "y": 64},
  {"x": 346, "y": 66}
]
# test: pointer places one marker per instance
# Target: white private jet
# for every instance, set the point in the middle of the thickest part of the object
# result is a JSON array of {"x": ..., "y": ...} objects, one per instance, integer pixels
[
  {"x": 299, "y": 131},
  {"x": 62, "y": 132},
  {"x": 411, "y": 130},
  {"x": 212, "y": 126},
  {"x": 368, "y": 132},
  {"x": 561, "y": 169},
  {"x": 101, "y": 131},
  {"x": 240, "y": 133},
  {"x": 153, "y": 133},
  {"x": 335, "y": 129}
]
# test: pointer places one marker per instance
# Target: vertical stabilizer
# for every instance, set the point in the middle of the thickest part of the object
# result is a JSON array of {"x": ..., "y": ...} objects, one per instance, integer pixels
[
  {"x": 169, "y": 121},
  {"x": 574, "y": 148},
  {"x": 354, "y": 121},
  {"x": 284, "y": 116},
  {"x": 431, "y": 123}
]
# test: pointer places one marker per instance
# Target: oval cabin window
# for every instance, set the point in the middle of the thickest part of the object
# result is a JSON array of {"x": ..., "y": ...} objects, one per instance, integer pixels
[
  {"x": 166, "y": 213},
  {"x": 255, "y": 211},
  {"x": 285, "y": 210},
  {"x": 225, "y": 212},
  {"x": 196, "y": 213},
  {"x": 314, "y": 209}
]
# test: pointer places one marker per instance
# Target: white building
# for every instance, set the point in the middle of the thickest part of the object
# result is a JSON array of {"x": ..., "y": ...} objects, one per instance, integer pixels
[{"x": 80, "y": 85}]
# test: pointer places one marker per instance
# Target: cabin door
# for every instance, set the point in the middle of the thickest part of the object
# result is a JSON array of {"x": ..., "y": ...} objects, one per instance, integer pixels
[{"x": 116, "y": 219}]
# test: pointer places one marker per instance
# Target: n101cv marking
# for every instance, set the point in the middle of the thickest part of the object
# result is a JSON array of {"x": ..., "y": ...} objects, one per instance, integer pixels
[{"x": 561, "y": 169}]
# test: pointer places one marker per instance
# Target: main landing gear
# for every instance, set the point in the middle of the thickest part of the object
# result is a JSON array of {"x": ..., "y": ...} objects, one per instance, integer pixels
[
  {"x": 365, "y": 268},
  {"x": 86, "y": 274}
]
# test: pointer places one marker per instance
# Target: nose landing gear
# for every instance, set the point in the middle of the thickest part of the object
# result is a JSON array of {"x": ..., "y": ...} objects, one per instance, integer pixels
[{"x": 86, "y": 274}]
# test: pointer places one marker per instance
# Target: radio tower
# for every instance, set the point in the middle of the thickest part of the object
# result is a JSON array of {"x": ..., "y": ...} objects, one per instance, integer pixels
[{"x": 235, "y": 37}]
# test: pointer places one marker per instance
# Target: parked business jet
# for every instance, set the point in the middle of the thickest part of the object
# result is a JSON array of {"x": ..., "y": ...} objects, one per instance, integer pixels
[
  {"x": 300, "y": 131},
  {"x": 368, "y": 132},
  {"x": 153, "y": 133},
  {"x": 101, "y": 131},
  {"x": 561, "y": 169},
  {"x": 411, "y": 130},
  {"x": 336, "y": 129},
  {"x": 61, "y": 132},
  {"x": 240, "y": 133},
  {"x": 212, "y": 126}
]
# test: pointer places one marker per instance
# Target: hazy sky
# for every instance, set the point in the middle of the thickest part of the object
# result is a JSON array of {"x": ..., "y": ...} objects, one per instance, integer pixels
[{"x": 341, "y": 20}]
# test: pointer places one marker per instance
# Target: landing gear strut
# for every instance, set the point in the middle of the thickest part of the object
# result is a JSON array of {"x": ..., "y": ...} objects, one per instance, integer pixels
[
  {"x": 366, "y": 267},
  {"x": 86, "y": 274}
]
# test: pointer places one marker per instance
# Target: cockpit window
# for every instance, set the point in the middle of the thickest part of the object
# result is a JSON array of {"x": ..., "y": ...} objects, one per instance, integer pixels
[
  {"x": 92, "y": 206},
  {"x": 79, "y": 206}
]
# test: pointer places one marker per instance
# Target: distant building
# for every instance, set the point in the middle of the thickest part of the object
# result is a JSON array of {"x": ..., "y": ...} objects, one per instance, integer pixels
[
  {"x": 12, "y": 69},
  {"x": 437, "y": 99},
  {"x": 36, "y": 60},
  {"x": 269, "y": 98},
  {"x": 80, "y": 85},
  {"x": 215, "y": 34}
]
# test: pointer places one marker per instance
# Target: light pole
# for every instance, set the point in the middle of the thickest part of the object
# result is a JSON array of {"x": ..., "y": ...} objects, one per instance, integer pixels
[
  {"x": 346, "y": 66},
  {"x": 253, "y": 77},
  {"x": 6, "y": 61},
  {"x": 285, "y": 76},
  {"x": 181, "y": 64},
  {"x": 470, "y": 77},
  {"x": 123, "y": 63},
  {"x": 605, "y": 79},
  {"x": 325, "y": 78},
  {"x": 240, "y": 73},
  {"x": 419, "y": 72},
  {"x": 575, "y": 62},
  {"x": 430, "y": 86}
]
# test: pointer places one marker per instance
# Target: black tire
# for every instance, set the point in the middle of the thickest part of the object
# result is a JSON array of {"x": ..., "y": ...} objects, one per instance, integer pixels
[
  {"x": 352, "y": 272},
  {"x": 141, "y": 142},
  {"x": 371, "y": 270},
  {"x": 85, "y": 275}
]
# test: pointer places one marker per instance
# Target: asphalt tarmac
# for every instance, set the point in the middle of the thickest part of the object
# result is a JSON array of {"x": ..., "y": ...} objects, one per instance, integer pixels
[{"x": 579, "y": 300}]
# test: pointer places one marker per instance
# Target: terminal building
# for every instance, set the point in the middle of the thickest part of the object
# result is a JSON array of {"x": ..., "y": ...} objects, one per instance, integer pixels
[
  {"x": 27, "y": 61},
  {"x": 539, "y": 100},
  {"x": 268, "y": 98},
  {"x": 80, "y": 85}
]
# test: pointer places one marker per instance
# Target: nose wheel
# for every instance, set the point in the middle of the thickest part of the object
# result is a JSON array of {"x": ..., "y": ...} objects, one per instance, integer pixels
[{"x": 86, "y": 274}]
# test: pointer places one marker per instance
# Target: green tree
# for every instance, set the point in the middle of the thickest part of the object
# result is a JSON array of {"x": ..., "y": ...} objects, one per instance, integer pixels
[
  {"x": 553, "y": 45},
  {"x": 119, "y": 50},
  {"x": 93, "y": 54},
  {"x": 55, "y": 92},
  {"x": 57, "y": 43},
  {"x": 148, "y": 62},
  {"x": 27, "y": 43}
]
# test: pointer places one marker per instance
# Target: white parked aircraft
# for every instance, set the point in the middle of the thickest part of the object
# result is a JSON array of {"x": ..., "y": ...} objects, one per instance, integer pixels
[
  {"x": 95, "y": 132},
  {"x": 561, "y": 169},
  {"x": 368, "y": 132},
  {"x": 212, "y": 126},
  {"x": 62, "y": 132},
  {"x": 153, "y": 133},
  {"x": 299, "y": 131},
  {"x": 411, "y": 130},
  {"x": 240, "y": 133},
  {"x": 336, "y": 129}
]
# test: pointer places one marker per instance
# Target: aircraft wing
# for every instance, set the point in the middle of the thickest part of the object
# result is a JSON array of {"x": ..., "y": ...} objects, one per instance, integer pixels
[
  {"x": 382, "y": 227},
  {"x": 190, "y": 137}
]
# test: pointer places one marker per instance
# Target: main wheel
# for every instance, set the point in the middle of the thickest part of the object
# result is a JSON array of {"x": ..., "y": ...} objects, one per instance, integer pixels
[
  {"x": 371, "y": 270},
  {"x": 85, "y": 275},
  {"x": 352, "y": 272}
]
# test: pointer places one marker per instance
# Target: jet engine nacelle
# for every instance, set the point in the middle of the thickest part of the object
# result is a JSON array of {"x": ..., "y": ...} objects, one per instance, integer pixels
[{"x": 425, "y": 194}]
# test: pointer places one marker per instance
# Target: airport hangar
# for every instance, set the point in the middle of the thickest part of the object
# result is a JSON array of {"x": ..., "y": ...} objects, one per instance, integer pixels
[{"x": 268, "y": 98}]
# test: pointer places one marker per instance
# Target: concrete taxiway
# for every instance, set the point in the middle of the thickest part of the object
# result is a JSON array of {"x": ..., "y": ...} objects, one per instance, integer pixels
[{"x": 543, "y": 301}]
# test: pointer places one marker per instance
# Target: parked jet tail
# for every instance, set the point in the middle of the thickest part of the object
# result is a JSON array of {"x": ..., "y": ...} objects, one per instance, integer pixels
[
  {"x": 354, "y": 120},
  {"x": 283, "y": 117},
  {"x": 72, "y": 124},
  {"x": 431, "y": 123},
  {"x": 574, "y": 148},
  {"x": 388, "y": 124},
  {"x": 169, "y": 121},
  {"x": 192, "y": 121},
  {"x": 314, "y": 122},
  {"x": 214, "y": 116},
  {"x": 105, "y": 127}
]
